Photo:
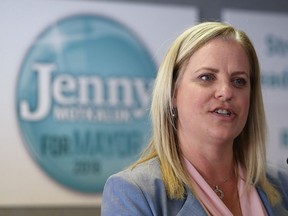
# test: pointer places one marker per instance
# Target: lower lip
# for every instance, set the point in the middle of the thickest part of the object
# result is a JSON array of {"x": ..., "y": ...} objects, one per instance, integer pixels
[{"x": 224, "y": 117}]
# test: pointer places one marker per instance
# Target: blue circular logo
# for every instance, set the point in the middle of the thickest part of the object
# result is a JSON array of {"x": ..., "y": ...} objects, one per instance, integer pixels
[{"x": 83, "y": 95}]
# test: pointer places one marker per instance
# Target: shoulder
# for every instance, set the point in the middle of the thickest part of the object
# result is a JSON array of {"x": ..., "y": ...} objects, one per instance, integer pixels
[
  {"x": 138, "y": 191},
  {"x": 145, "y": 177},
  {"x": 145, "y": 174},
  {"x": 279, "y": 179}
]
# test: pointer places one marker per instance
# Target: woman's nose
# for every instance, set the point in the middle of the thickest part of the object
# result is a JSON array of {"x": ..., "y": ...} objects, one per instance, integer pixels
[{"x": 224, "y": 92}]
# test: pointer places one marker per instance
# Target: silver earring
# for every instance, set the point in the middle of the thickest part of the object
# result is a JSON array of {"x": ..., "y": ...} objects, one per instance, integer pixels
[{"x": 174, "y": 112}]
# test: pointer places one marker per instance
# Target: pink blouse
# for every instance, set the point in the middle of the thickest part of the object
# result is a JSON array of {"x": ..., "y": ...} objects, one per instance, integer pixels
[{"x": 249, "y": 199}]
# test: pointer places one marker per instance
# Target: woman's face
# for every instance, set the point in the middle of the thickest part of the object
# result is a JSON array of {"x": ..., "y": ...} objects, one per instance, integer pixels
[{"x": 213, "y": 94}]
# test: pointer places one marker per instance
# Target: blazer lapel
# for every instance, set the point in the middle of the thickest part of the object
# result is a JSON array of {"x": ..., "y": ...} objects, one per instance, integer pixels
[
  {"x": 265, "y": 202},
  {"x": 191, "y": 206}
]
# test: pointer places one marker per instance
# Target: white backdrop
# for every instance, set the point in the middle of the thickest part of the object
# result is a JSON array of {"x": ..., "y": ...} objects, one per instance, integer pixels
[
  {"x": 23, "y": 183},
  {"x": 269, "y": 34}
]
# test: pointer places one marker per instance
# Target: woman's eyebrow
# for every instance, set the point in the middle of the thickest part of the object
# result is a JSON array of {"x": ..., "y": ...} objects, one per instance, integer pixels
[
  {"x": 240, "y": 73},
  {"x": 213, "y": 70}
]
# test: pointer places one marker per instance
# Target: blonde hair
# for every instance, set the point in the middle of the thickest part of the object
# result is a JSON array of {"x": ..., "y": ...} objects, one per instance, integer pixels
[{"x": 249, "y": 146}]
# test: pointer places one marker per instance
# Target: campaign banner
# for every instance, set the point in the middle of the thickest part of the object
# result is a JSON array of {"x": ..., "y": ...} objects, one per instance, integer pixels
[
  {"x": 270, "y": 37},
  {"x": 76, "y": 81}
]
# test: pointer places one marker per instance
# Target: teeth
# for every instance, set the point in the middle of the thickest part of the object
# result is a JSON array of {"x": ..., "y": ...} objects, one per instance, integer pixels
[{"x": 222, "y": 112}]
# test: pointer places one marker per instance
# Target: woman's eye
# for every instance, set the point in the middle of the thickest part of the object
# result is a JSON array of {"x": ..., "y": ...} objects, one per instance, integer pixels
[
  {"x": 207, "y": 77},
  {"x": 239, "y": 82}
]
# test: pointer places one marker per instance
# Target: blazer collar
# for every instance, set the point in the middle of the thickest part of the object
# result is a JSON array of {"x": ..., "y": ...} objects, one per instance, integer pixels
[
  {"x": 193, "y": 206},
  {"x": 265, "y": 201}
]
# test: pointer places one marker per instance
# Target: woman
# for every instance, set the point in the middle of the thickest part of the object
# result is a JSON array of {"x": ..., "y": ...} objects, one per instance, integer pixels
[{"x": 207, "y": 153}]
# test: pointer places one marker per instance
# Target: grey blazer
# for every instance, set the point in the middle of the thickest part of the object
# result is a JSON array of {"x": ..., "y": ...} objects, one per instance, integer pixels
[{"x": 141, "y": 192}]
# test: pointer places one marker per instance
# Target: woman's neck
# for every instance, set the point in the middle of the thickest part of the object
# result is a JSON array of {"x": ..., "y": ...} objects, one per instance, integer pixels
[{"x": 212, "y": 160}]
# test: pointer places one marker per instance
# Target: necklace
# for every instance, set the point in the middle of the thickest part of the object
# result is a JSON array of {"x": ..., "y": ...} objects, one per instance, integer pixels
[
  {"x": 219, "y": 192},
  {"x": 217, "y": 188}
]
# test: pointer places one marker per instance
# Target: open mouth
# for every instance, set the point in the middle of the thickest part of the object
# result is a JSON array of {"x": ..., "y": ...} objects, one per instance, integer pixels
[{"x": 223, "y": 112}]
